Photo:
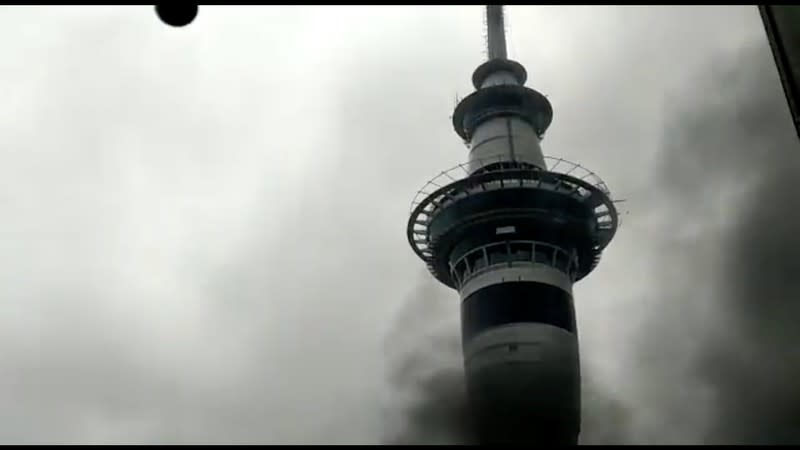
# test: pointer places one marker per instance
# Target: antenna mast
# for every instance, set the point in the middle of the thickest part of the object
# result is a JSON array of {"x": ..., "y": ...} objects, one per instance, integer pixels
[{"x": 496, "y": 32}]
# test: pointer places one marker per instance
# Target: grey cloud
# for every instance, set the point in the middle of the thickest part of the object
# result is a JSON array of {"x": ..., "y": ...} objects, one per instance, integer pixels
[{"x": 719, "y": 340}]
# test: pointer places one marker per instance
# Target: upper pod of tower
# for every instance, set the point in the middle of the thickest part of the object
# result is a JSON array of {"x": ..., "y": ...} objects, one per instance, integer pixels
[{"x": 502, "y": 121}]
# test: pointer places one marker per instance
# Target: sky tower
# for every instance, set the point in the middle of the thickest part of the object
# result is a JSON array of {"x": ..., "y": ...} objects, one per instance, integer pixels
[{"x": 512, "y": 231}]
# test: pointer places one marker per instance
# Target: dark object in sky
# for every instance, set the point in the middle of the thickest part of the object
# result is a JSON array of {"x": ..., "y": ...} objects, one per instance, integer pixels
[
  {"x": 176, "y": 15},
  {"x": 512, "y": 232},
  {"x": 782, "y": 24}
]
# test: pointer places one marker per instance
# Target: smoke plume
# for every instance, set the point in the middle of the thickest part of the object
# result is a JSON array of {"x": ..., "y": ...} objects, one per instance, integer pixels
[
  {"x": 428, "y": 402},
  {"x": 720, "y": 349},
  {"x": 425, "y": 372}
]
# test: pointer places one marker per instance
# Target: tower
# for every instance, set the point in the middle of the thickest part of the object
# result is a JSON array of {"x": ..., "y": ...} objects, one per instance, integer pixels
[{"x": 512, "y": 230}]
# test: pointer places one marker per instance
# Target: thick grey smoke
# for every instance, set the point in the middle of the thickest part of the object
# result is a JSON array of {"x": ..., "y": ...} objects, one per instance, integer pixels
[
  {"x": 426, "y": 378},
  {"x": 428, "y": 403},
  {"x": 721, "y": 346},
  {"x": 425, "y": 372}
]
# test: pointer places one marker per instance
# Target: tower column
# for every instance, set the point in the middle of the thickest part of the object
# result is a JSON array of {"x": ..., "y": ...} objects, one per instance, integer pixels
[{"x": 512, "y": 235}]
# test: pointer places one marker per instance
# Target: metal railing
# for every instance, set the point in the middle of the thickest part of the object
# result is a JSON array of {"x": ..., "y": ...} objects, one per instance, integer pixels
[
  {"x": 461, "y": 171},
  {"x": 457, "y": 183},
  {"x": 512, "y": 253}
]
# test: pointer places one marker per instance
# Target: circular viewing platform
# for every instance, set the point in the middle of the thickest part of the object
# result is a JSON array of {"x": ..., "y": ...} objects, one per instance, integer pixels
[{"x": 564, "y": 178}]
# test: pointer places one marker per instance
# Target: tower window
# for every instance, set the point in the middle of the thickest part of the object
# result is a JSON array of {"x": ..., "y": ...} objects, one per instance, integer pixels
[{"x": 506, "y": 230}]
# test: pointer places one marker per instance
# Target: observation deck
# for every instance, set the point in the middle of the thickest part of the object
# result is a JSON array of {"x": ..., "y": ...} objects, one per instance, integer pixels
[{"x": 563, "y": 219}]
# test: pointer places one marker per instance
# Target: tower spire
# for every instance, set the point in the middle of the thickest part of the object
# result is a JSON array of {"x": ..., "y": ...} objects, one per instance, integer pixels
[{"x": 495, "y": 31}]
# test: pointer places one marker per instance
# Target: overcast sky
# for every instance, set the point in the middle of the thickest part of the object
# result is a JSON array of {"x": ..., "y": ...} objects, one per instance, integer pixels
[{"x": 202, "y": 230}]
